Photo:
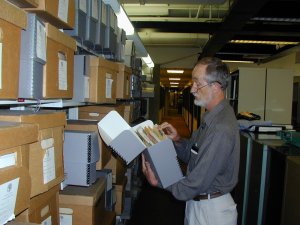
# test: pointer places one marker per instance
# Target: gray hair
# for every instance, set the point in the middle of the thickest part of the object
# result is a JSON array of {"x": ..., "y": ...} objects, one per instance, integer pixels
[{"x": 216, "y": 71}]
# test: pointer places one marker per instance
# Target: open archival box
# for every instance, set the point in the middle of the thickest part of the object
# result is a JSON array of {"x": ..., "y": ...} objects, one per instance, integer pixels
[{"x": 129, "y": 142}]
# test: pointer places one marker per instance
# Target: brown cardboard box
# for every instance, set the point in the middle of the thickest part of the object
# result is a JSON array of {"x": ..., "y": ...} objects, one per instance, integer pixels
[
  {"x": 103, "y": 79},
  {"x": 97, "y": 112},
  {"x": 25, "y": 3},
  {"x": 14, "y": 151},
  {"x": 46, "y": 155},
  {"x": 118, "y": 168},
  {"x": 20, "y": 223},
  {"x": 120, "y": 196},
  {"x": 61, "y": 16},
  {"x": 127, "y": 113},
  {"x": 58, "y": 77},
  {"x": 85, "y": 125},
  {"x": 43, "y": 209},
  {"x": 87, "y": 203},
  {"x": 12, "y": 21},
  {"x": 123, "y": 82}
]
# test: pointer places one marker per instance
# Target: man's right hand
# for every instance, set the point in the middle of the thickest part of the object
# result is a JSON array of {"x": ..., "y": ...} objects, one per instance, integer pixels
[{"x": 169, "y": 130}]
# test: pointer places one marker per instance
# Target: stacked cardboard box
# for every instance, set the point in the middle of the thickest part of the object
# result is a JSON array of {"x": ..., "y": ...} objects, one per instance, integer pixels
[
  {"x": 12, "y": 21},
  {"x": 98, "y": 112},
  {"x": 123, "y": 82},
  {"x": 25, "y": 3},
  {"x": 15, "y": 183},
  {"x": 46, "y": 155}
]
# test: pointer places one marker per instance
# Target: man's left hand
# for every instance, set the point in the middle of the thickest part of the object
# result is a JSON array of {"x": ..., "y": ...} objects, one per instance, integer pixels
[{"x": 147, "y": 171}]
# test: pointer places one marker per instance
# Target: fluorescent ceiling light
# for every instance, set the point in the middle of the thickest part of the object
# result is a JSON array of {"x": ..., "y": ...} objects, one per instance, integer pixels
[
  {"x": 237, "y": 61},
  {"x": 173, "y": 78},
  {"x": 174, "y": 86},
  {"x": 148, "y": 61},
  {"x": 174, "y": 83},
  {"x": 264, "y": 42},
  {"x": 175, "y": 71},
  {"x": 124, "y": 22}
]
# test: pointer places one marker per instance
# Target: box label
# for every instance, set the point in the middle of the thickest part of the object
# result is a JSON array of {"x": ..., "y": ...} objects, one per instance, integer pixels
[
  {"x": 49, "y": 165},
  {"x": 82, "y": 5},
  {"x": 40, "y": 41},
  {"x": 47, "y": 221},
  {"x": 8, "y": 197},
  {"x": 62, "y": 72},
  {"x": 65, "y": 219},
  {"x": 108, "y": 87},
  {"x": 86, "y": 87},
  {"x": 95, "y": 9},
  {"x": 8, "y": 160},
  {"x": 63, "y": 8}
]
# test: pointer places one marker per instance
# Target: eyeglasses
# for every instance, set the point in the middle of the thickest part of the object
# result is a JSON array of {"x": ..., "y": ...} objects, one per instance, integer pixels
[{"x": 200, "y": 87}]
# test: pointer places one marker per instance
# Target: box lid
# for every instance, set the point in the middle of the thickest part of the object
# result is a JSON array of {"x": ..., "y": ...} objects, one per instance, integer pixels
[
  {"x": 77, "y": 195},
  {"x": 15, "y": 134},
  {"x": 58, "y": 36},
  {"x": 13, "y": 14},
  {"x": 44, "y": 119}
]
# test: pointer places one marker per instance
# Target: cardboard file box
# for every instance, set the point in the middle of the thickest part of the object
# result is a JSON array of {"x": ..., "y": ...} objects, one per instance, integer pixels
[
  {"x": 117, "y": 166},
  {"x": 123, "y": 82},
  {"x": 58, "y": 71},
  {"x": 81, "y": 152},
  {"x": 81, "y": 85},
  {"x": 85, "y": 125},
  {"x": 33, "y": 58},
  {"x": 109, "y": 189},
  {"x": 15, "y": 182},
  {"x": 43, "y": 209},
  {"x": 87, "y": 203},
  {"x": 110, "y": 33},
  {"x": 12, "y": 21},
  {"x": 20, "y": 223},
  {"x": 103, "y": 77},
  {"x": 25, "y": 3},
  {"x": 162, "y": 157},
  {"x": 120, "y": 196},
  {"x": 59, "y": 13},
  {"x": 100, "y": 29},
  {"x": 98, "y": 112},
  {"x": 79, "y": 31},
  {"x": 92, "y": 23},
  {"x": 46, "y": 155}
]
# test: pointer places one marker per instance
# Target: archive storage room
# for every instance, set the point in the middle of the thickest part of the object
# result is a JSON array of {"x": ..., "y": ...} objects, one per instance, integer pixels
[{"x": 84, "y": 84}]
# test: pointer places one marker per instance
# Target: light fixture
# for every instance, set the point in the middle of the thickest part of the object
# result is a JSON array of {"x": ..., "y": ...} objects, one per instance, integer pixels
[
  {"x": 175, "y": 71},
  {"x": 174, "y": 86},
  {"x": 174, "y": 83},
  {"x": 264, "y": 42},
  {"x": 237, "y": 61},
  {"x": 148, "y": 61},
  {"x": 174, "y": 78}
]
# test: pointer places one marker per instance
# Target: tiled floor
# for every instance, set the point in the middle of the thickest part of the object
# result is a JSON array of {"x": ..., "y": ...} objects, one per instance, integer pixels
[{"x": 156, "y": 206}]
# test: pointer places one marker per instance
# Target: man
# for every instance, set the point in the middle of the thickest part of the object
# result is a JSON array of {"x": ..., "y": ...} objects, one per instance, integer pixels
[{"x": 212, "y": 153}]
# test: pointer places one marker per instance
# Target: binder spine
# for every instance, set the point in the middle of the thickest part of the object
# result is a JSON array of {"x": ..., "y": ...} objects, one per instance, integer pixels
[
  {"x": 89, "y": 148},
  {"x": 118, "y": 154},
  {"x": 88, "y": 174}
]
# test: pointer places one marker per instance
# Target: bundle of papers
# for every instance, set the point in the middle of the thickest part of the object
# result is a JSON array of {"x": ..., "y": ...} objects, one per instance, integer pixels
[{"x": 150, "y": 135}]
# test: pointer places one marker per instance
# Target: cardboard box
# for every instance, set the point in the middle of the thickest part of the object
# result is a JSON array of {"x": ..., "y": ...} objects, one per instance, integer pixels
[
  {"x": 25, "y": 3},
  {"x": 123, "y": 82},
  {"x": 59, "y": 13},
  {"x": 98, "y": 112},
  {"x": 12, "y": 21},
  {"x": 46, "y": 155},
  {"x": 87, "y": 203},
  {"x": 103, "y": 79},
  {"x": 84, "y": 125},
  {"x": 120, "y": 196},
  {"x": 14, "y": 163},
  {"x": 43, "y": 209},
  {"x": 20, "y": 223},
  {"x": 59, "y": 70}
]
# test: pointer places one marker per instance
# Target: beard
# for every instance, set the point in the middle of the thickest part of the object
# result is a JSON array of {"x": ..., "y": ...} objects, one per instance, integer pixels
[{"x": 203, "y": 102}]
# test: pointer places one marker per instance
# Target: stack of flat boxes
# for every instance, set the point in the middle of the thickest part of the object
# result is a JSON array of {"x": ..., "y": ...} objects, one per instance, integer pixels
[{"x": 100, "y": 29}]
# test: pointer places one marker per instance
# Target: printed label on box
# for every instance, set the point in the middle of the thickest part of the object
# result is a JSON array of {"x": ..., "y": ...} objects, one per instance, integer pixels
[
  {"x": 40, "y": 41},
  {"x": 8, "y": 197},
  {"x": 95, "y": 9},
  {"x": 47, "y": 143},
  {"x": 8, "y": 160},
  {"x": 49, "y": 165},
  {"x": 108, "y": 86},
  {"x": 65, "y": 219},
  {"x": 0, "y": 63},
  {"x": 62, "y": 73},
  {"x": 86, "y": 87},
  {"x": 47, "y": 221},
  {"x": 82, "y": 5},
  {"x": 63, "y": 7}
]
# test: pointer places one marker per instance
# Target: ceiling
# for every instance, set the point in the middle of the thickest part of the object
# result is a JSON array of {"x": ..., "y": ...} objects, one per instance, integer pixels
[{"x": 176, "y": 33}]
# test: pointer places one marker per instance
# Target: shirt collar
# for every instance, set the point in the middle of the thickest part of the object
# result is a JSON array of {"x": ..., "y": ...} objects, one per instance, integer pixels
[{"x": 209, "y": 115}]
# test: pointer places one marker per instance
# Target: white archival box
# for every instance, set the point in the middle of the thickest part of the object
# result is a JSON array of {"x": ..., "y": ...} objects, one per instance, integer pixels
[{"x": 122, "y": 138}]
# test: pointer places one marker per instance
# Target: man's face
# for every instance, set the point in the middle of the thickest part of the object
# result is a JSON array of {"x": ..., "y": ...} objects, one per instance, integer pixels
[{"x": 200, "y": 88}]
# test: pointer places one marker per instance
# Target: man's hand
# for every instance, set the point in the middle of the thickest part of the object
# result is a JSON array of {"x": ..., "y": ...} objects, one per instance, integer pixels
[
  {"x": 147, "y": 171},
  {"x": 169, "y": 130}
]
